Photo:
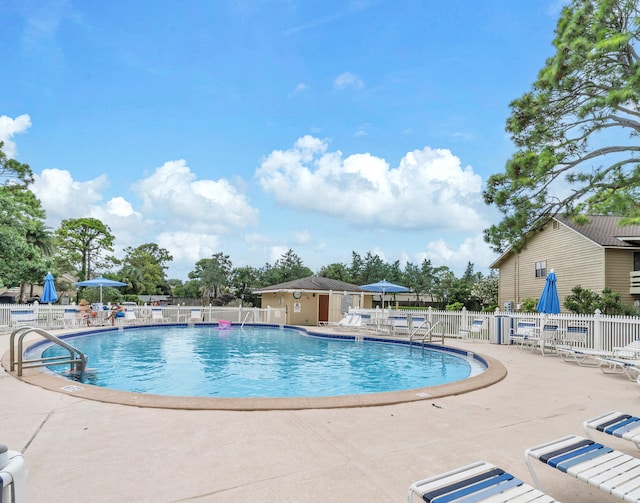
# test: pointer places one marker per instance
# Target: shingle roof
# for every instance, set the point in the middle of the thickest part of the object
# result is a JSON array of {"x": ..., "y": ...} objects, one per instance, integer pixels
[
  {"x": 317, "y": 283},
  {"x": 605, "y": 230}
]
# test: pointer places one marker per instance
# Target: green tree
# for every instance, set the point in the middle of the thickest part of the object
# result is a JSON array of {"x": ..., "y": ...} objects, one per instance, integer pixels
[
  {"x": 243, "y": 281},
  {"x": 213, "y": 276},
  {"x": 337, "y": 271},
  {"x": 25, "y": 242},
  {"x": 287, "y": 268},
  {"x": 578, "y": 125},
  {"x": 585, "y": 301},
  {"x": 144, "y": 269},
  {"x": 84, "y": 246},
  {"x": 188, "y": 289},
  {"x": 486, "y": 291}
]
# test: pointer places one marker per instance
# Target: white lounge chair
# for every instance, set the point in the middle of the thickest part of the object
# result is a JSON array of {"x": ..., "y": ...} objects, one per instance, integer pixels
[
  {"x": 13, "y": 476},
  {"x": 477, "y": 482},
  {"x": 522, "y": 333},
  {"x": 157, "y": 316},
  {"x": 617, "y": 424},
  {"x": 611, "y": 471},
  {"x": 196, "y": 315},
  {"x": 622, "y": 366},
  {"x": 349, "y": 320},
  {"x": 474, "y": 331},
  {"x": 130, "y": 317},
  {"x": 22, "y": 317},
  {"x": 573, "y": 352}
]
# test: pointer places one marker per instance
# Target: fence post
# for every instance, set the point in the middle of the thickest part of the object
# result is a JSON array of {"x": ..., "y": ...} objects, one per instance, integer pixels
[
  {"x": 597, "y": 330},
  {"x": 464, "y": 322}
]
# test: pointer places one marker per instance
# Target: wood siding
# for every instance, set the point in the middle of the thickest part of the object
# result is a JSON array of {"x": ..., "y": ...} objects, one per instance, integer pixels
[
  {"x": 575, "y": 260},
  {"x": 618, "y": 265}
]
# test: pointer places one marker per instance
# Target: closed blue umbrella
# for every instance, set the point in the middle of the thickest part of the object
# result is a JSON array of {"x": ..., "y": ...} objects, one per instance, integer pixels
[
  {"x": 100, "y": 281},
  {"x": 49, "y": 293},
  {"x": 384, "y": 286},
  {"x": 549, "y": 302}
]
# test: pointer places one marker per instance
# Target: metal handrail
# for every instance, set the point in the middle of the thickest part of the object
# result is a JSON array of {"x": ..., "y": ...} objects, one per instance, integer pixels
[
  {"x": 428, "y": 333},
  {"x": 76, "y": 359},
  {"x": 245, "y": 319}
]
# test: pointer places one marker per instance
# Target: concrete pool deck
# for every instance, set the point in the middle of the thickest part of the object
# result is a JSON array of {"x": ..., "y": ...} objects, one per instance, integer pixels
[{"x": 84, "y": 450}]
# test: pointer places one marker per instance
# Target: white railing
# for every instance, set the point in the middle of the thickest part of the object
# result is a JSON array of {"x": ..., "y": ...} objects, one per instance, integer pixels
[
  {"x": 53, "y": 316},
  {"x": 604, "y": 332}
]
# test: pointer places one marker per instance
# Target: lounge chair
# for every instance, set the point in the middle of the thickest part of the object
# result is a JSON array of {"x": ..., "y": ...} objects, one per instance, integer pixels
[
  {"x": 350, "y": 320},
  {"x": 196, "y": 315},
  {"x": 474, "y": 331},
  {"x": 23, "y": 317},
  {"x": 622, "y": 366},
  {"x": 573, "y": 348},
  {"x": 130, "y": 317},
  {"x": 157, "y": 316},
  {"x": 521, "y": 335},
  {"x": 616, "y": 424},
  {"x": 574, "y": 352},
  {"x": 611, "y": 471},
  {"x": 13, "y": 476},
  {"x": 480, "y": 481}
]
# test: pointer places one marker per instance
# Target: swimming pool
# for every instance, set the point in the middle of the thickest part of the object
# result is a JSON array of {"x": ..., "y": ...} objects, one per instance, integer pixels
[{"x": 257, "y": 362}]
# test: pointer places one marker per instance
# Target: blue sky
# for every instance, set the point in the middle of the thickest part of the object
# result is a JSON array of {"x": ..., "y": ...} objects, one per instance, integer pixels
[{"x": 251, "y": 127}]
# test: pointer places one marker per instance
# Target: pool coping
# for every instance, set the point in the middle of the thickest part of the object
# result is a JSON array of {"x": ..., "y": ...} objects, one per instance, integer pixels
[{"x": 494, "y": 373}]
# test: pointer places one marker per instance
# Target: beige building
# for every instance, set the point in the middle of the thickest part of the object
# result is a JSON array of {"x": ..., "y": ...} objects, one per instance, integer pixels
[
  {"x": 595, "y": 255},
  {"x": 314, "y": 300}
]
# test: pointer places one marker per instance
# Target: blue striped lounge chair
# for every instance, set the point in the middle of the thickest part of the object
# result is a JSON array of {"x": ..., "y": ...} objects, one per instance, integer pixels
[
  {"x": 477, "y": 482},
  {"x": 522, "y": 334},
  {"x": 474, "y": 331},
  {"x": 611, "y": 471},
  {"x": 617, "y": 424}
]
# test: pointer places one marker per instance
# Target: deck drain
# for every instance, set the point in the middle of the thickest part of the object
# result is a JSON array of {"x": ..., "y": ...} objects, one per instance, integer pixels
[
  {"x": 71, "y": 387},
  {"x": 423, "y": 395}
]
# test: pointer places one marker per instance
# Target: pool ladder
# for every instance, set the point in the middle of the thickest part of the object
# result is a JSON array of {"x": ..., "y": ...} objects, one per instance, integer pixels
[
  {"x": 76, "y": 359},
  {"x": 426, "y": 329}
]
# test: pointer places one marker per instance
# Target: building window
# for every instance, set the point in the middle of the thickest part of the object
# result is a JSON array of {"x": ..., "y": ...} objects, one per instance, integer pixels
[
  {"x": 541, "y": 269},
  {"x": 636, "y": 261}
]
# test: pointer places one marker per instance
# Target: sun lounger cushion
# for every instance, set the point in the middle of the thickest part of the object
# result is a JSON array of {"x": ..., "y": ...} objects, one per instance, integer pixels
[{"x": 480, "y": 481}]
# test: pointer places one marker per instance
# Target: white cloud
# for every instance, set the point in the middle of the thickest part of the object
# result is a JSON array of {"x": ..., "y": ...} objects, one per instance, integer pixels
[
  {"x": 188, "y": 247},
  {"x": 301, "y": 237},
  {"x": 172, "y": 194},
  {"x": 301, "y": 87},
  {"x": 63, "y": 197},
  {"x": 185, "y": 215},
  {"x": 276, "y": 252},
  {"x": 120, "y": 207},
  {"x": 348, "y": 80},
  {"x": 10, "y": 127},
  {"x": 429, "y": 190}
]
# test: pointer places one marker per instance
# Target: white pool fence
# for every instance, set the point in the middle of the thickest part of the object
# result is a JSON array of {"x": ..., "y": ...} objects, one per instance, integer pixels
[{"x": 604, "y": 332}]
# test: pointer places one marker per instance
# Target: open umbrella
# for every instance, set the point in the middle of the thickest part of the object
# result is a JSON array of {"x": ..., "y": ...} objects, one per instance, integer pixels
[
  {"x": 384, "y": 286},
  {"x": 100, "y": 281},
  {"x": 49, "y": 293},
  {"x": 549, "y": 302}
]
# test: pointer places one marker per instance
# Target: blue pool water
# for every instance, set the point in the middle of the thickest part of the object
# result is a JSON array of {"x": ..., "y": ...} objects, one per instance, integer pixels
[{"x": 245, "y": 362}]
